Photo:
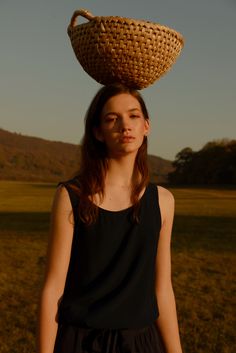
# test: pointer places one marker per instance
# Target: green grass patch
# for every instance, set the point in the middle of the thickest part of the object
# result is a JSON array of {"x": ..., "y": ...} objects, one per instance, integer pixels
[{"x": 20, "y": 196}]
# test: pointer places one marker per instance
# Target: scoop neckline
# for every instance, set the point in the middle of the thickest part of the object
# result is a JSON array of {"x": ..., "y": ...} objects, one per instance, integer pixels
[{"x": 124, "y": 209}]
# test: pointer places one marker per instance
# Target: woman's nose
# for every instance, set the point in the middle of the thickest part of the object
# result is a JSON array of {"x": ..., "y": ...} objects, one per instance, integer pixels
[{"x": 124, "y": 124}]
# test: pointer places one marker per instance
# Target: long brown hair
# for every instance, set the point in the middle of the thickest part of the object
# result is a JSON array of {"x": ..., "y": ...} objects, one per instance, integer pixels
[{"x": 94, "y": 161}]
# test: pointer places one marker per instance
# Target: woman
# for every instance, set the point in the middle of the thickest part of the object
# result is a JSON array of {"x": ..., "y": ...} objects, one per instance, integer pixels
[{"x": 108, "y": 283}]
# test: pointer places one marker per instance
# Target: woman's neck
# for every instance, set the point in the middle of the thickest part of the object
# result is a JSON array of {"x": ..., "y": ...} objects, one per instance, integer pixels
[{"x": 120, "y": 171}]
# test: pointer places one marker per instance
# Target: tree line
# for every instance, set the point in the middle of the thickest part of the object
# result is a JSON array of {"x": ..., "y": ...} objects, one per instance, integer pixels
[{"x": 215, "y": 163}]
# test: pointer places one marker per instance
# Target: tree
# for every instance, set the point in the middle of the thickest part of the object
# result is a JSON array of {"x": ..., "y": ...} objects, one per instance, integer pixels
[{"x": 215, "y": 163}]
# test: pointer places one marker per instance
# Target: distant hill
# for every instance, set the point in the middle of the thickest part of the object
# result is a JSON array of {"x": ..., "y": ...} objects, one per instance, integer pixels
[{"x": 35, "y": 159}]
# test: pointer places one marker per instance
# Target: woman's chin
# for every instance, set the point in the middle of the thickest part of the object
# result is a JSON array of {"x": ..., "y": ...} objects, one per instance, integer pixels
[{"x": 124, "y": 151}]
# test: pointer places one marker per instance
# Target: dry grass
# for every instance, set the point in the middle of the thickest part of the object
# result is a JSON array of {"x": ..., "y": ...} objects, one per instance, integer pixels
[
  {"x": 203, "y": 265},
  {"x": 204, "y": 284},
  {"x": 21, "y": 259}
]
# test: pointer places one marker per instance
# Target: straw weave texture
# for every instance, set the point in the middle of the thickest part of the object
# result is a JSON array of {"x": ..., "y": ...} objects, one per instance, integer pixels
[{"x": 117, "y": 49}]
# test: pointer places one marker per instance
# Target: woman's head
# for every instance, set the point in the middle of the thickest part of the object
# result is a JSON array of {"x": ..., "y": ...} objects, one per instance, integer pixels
[{"x": 94, "y": 119}]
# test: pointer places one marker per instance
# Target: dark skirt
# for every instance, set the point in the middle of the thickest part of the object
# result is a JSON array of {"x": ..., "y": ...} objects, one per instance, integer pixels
[{"x": 73, "y": 339}]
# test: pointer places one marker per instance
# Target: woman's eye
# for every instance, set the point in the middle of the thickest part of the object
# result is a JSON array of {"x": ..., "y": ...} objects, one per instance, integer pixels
[
  {"x": 134, "y": 116},
  {"x": 110, "y": 119}
]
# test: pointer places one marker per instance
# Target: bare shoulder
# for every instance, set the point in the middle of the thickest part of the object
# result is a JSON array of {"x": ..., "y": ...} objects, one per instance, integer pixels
[
  {"x": 166, "y": 202},
  {"x": 62, "y": 197},
  {"x": 165, "y": 194},
  {"x": 61, "y": 192}
]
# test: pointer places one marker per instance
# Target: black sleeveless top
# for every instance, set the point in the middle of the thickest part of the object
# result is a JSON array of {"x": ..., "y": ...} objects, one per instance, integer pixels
[{"x": 110, "y": 281}]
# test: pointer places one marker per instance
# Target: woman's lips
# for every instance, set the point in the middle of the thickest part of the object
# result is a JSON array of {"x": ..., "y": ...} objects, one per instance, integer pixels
[{"x": 127, "y": 139}]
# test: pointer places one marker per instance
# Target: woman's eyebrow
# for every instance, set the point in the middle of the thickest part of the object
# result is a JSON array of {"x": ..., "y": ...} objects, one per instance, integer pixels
[
  {"x": 115, "y": 113},
  {"x": 133, "y": 109}
]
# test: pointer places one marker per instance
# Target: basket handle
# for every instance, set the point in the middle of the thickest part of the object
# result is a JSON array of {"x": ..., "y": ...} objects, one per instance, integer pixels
[{"x": 82, "y": 12}]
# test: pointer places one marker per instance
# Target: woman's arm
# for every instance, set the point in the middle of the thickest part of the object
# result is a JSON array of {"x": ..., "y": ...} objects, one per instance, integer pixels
[
  {"x": 167, "y": 321},
  {"x": 58, "y": 256}
]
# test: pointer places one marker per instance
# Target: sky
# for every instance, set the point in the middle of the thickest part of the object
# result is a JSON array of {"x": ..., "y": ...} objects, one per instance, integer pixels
[{"x": 45, "y": 92}]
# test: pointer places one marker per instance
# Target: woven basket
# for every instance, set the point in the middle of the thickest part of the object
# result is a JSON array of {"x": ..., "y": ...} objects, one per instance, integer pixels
[{"x": 117, "y": 49}]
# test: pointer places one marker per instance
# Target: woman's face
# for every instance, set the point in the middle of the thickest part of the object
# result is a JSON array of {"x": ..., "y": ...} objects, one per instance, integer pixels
[{"x": 122, "y": 125}]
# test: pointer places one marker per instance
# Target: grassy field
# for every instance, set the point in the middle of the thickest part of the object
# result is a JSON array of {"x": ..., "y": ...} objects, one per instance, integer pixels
[{"x": 203, "y": 265}]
